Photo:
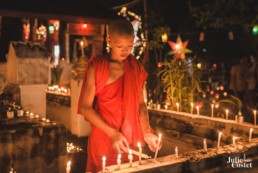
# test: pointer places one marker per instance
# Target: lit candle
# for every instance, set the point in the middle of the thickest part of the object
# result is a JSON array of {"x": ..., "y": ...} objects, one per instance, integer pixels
[
  {"x": 192, "y": 108},
  {"x": 204, "y": 145},
  {"x": 140, "y": 152},
  {"x": 166, "y": 106},
  {"x": 226, "y": 114},
  {"x": 130, "y": 157},
  {"x": 119, "y": 161},
  {"x": 212, "y": 110},
  {"x": 219, "y": 137},
  {"x": 156, "y": 152},
  {"x": 255, "y": 117},
  {"x": 176, "y": 152},
  {"x": 68, "y": 166},
  {"x": 177, "y": 106},
  {"x": 234, "y": 140},
  {"x": 81, "y": 43},
  {"x": 103, "y": 164},
  {"x": 250, "y": 134},
  {"x": 197, "y": 109}
]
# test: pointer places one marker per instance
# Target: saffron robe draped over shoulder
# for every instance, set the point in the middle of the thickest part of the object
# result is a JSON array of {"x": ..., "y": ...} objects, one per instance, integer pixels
[{"x": 118, "y": 104}]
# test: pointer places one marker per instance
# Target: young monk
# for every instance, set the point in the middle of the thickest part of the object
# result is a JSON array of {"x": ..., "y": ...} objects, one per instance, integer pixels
[{"x": 111, "y": 100}]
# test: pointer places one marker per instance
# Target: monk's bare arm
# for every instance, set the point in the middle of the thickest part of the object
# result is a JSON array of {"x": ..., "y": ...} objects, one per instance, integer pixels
[
  {"x": 149, "y": 137},
  {"x": 85, "y": 106}
]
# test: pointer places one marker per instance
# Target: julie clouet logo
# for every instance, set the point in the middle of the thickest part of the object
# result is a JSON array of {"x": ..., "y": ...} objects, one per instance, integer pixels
[{"x": 239, "y": 162}]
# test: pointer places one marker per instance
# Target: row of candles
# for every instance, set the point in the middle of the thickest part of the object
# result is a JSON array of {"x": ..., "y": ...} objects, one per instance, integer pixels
[
  {"x": 198, "y": 110},
  {"x": 58, "y": 90},
  {"x": 233, "y": 139},
  {"x": 140, "y": 154},
  {"x": 130, "y": 155}
]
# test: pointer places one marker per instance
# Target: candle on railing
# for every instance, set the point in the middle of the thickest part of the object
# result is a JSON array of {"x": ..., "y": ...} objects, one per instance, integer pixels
[
  {"x": 192, "y": 108},
  {"x": 250, "y": 134},
  {"x": 176, "y": 152},
  {"x": 103, "y": 164},
  {"x": 226, "y": 114},
  {"x": 219, "y": 137},
  {"x": 212, "y": 110},
  {"x": 158, "y": 106},
  {"x": 234, "y": 140},
  {"x": 68, "y": 166},
  {"x": 166, "y": 106},
  {"x": 130, "y": 158},
  {"x": 119, "y": 161},
  {"x": 255, "y": 117},
  {"x": 140, "y": 152},
  {"x": 156, "y": 152},
  {"x": 204, "y": 144},
  {"x": 177, "y": 106},
  {"x": 198, "y": 110}
]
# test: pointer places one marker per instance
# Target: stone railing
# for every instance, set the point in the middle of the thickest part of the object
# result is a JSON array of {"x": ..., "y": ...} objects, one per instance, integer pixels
[{"x": 187, "y": 132}]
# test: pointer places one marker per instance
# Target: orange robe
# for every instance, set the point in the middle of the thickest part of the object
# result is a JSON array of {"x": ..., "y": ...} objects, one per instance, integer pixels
[{"x": 118, "y": 104}]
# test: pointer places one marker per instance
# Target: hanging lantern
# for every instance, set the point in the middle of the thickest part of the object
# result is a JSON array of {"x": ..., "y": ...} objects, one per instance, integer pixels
[
  {"x": 230, "y": 35},
  {"x": 164, "y": 37},
  {"x": 201, "y": 37}
]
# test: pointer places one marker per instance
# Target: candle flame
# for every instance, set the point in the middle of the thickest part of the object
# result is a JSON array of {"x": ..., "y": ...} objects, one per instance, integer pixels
[
  {"x": 104, "y": 158},
  {"x": 119, "y": 156},
  {"x": 130, "y": 152},
  {"x": 139, "y": 144},
  {"x": 69, "y": 163},
  {"x": 160, "y": 135}
]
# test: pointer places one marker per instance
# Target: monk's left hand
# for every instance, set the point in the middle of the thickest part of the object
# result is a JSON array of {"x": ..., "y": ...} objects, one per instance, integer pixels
[{"x": 152, "y": 141}]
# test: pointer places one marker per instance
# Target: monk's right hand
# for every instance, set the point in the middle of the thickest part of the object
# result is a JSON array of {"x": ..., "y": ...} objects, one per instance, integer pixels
[{"x": 119, "y": 142}]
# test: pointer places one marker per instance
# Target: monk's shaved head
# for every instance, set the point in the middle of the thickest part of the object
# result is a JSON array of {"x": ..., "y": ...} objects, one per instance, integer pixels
[{"x": 121, "y": 27}]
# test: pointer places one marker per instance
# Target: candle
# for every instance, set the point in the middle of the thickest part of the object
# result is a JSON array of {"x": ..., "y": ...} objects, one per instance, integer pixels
[
  {"x": 140, "y": 152},
  {"x": 197, "y": 109},
  {"x": 255, "y": 117},
  {"x": 119, "y": 161},
  {"x": 212, "y": 110},
  {"x": 156, "y": 152},
  {"x": 166, "y": 106},
  {"x": 130, "y": 157},
  {"x": 250, "y": 134},
  {"x": 226, "y": 114},
  {"x": 68, "y": 166},
  {"x": 176, "y": 152},
  {"x": 192, "y": 108},
  {"x": 234, "y": 140},
  {"x": 177, "y": 106},
  {"x": 82, "y": 47},
  {"x": 103, "y": 164},
  {"x": 219, "y": 137},
  {"x": 204, "y": 145}
]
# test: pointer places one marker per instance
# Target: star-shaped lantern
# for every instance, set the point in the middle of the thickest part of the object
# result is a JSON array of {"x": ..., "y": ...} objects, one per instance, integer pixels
[{"x": 179, "y": 48}]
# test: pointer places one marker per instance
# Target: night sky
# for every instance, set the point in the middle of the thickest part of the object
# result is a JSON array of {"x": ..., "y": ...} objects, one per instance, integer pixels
[{"x": 216, "y": 47}]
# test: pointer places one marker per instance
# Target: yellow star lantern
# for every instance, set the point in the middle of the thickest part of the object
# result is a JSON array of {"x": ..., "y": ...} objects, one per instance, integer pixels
[{"x": 179, "y": 48}]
